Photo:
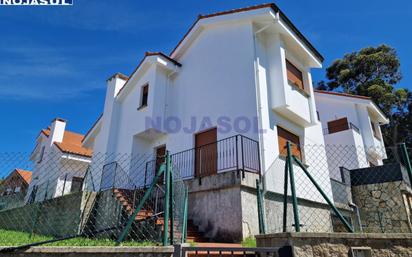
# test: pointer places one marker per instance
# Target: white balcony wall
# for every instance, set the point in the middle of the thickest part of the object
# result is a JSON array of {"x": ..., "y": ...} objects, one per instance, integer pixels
[{"x": 350, "y": 155}]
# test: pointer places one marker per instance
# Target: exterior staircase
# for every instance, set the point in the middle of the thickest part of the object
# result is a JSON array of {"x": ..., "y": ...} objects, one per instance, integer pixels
[
  {"x": 193, "y": 233},
  {"x": 126, "y": 198}
]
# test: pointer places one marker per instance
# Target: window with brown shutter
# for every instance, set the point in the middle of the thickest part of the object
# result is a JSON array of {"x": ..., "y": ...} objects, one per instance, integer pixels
[
  {"x": 295, "y": 76},
  {"x": 145, "y": 95},
  {"x": 338, "y": 125},
  {"x": 283, "y": 137}
]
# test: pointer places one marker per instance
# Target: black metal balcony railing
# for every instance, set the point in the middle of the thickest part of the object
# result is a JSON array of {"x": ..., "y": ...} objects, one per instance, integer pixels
[
  {"x": 237, "y": 153},
  {"x": 340, "y": 127}
]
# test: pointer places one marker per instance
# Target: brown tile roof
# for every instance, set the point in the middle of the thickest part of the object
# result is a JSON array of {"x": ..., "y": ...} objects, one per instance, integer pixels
[
  {"x": 342, "y": 94},
  {"x": 72, "y": 143},
  {"x": 25, "y": 174}
]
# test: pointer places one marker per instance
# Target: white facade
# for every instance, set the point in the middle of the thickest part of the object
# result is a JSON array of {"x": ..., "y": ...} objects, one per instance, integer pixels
[
  {"x": 359, "y": 145},
  {"x": 229, "y": 66},
  {"x": 55, "y": 167}
]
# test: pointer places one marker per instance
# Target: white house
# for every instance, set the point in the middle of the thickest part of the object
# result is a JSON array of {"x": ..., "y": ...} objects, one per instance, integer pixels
[
  {"x": 60, "y": 162},
  {"x": 351, "y": 127},
  {"x": 232, "y": 92}
]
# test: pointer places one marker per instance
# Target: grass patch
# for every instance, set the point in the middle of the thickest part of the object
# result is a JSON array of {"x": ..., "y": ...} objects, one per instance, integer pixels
[
  {"x": 16, "y": 238},
  {"x": 249, "y": 242}
]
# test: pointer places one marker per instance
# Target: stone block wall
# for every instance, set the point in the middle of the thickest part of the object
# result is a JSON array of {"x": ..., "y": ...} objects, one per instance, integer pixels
[
  {"x": 340, "y": 244},
  {"x": 382, "y": 207}
]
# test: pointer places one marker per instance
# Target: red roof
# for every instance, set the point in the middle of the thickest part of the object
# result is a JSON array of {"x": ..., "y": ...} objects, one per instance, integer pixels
[
  {"x": 342, "y": 94},
  {"x": 72, "y": 143},
  {"x": 25, "y": 174}
]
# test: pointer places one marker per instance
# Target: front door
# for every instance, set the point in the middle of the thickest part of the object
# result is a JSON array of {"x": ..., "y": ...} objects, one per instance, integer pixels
[
  {"x": 206, "y": 153},
  {"x": 160, "y": 158}
]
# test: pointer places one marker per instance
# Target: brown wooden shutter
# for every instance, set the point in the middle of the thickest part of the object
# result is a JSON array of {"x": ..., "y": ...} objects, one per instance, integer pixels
[
  {"x": 283, "y": 137},
  {"x": 338, "y": 125},
  {"x": 294, "y": 75}
]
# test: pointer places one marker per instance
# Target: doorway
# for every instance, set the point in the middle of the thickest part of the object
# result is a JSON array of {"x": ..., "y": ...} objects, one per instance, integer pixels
[{"x": 206, "y": 153}]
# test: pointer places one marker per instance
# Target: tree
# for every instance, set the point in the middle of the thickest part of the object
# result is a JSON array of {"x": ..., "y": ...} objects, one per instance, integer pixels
[{"x": 374, "y": 72}]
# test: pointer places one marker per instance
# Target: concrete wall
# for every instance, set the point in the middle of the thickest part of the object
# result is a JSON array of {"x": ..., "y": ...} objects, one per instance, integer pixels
[
  {"x": 314, "y": 217},
  {"x": 108, "y": 213},
  {"x": 340, "y": 244},
  {"x": 61, "y": 216}
]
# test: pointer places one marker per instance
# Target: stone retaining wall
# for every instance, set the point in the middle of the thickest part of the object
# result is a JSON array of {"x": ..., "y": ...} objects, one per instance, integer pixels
[
  {"x": 382, "y": 207},
  {"x": 155, "y": 251},
  {"x": 340, "y": 244},
  {"x": 58, "y": 217}
]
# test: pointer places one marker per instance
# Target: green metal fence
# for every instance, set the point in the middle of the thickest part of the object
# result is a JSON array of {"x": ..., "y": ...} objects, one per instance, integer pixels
[
  {"x": 101, "y": 200},
  {"x": 337, "y": 188}
]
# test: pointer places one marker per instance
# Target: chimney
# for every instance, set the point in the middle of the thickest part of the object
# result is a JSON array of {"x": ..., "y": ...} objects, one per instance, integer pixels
[{"x": 57, "y": 129}]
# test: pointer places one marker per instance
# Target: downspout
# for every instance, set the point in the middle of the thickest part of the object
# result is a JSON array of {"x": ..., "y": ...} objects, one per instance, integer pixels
[
  {"x": 356, "y": 209},
  {"x": 259, "y": 104},
  {"x": 166, "y": 90}
]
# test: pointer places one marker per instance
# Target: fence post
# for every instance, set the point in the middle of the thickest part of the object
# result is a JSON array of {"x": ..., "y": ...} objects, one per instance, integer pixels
[
  {"x": 167, "y": 203},
  {"x": 171, "y": 211},
  {"x": 335, "y": 210},
  {"x": 292, "y": 187},
  {"x": 237, "y": 156},
  {"x": 64, "y": 183},
  {"x": 47, "y": 189},
  {"x": 35, "y": 218},
  {"x": 285, "y": 196},
  {"x": 406, "y": 161},
  {"x": 243, "y": 156},
  {"x": 185, "y": 209},
  {"x": 115, "y": 174},
  {"x": 261, "y": 219}
]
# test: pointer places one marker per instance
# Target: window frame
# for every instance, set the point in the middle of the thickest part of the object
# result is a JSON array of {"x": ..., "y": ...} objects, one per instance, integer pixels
[
  {"x": 293, "y": 70},
  {"x": 296, "y": 147},
  {"x": 144, "y": 96}
]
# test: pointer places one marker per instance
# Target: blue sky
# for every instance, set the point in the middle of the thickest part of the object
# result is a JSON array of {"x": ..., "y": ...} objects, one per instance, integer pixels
[{"x": 54, "y": 60}]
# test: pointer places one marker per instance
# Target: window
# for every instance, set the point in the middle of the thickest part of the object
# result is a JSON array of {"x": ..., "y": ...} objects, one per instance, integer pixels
[
  {"x": 77, "y": 184},
  {"x": 338, "y": 125},
  {"x": 375, "y": 130},
  {"x": 283, "y": 137},
  {"x": 295, "y": 76},
  {"x": 41, "y": 155},
  {"x": 145, "y": 95}
]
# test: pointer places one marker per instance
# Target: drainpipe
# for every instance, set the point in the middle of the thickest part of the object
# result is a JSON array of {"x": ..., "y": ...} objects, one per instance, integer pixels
[
  {"x": 356, "y": 209},
  {"x": 259, "y": 104}
]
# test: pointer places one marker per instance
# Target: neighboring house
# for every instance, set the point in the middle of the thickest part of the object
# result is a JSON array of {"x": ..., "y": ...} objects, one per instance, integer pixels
[
  {"x": 351, "y": 127},
  {"x": 245, "y": 71},
  {"x": 17, "y": 182},
  {"x": 60, "y": 162}
]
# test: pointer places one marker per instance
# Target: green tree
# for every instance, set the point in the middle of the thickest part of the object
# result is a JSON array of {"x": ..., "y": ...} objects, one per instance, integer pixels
[{"x": 374, "y": 72}]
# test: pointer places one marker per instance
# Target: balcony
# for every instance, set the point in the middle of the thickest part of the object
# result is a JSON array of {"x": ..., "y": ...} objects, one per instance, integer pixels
[
  {"x": 340, "y": 125},
  {"x": 295, "y": 105},
  {"x": 233, "y": 154},
  {"x": 238, "y": 154}
]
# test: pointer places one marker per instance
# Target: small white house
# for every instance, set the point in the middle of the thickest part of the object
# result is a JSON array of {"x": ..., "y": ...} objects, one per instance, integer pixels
[
  {"x": 233, "y": 91},
  {"x": 351, "y": 127},
  {"x": 60, "y": 162}
]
